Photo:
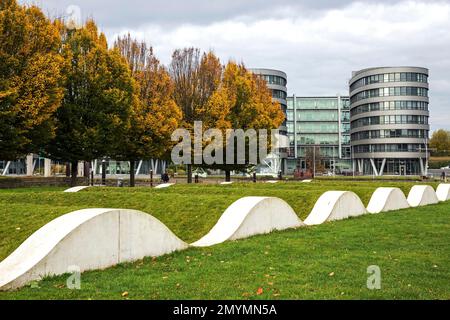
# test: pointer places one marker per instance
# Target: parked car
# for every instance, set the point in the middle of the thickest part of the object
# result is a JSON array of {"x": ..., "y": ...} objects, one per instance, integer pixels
[{"x": 447, "y": 167}]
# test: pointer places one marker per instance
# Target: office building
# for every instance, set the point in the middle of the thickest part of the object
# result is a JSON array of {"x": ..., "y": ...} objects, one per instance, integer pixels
[
  {"x": 389, "y": 121},
  {"x": 319, "y": 127}
]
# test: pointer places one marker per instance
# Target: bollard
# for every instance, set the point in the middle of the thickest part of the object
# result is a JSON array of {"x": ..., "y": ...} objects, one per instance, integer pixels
[
  {"x": 151, "y": 178},
  {"x": 92, "y": 177},
  {"x": 254, "y": 177},
  {"x": 196, "y": 178}
]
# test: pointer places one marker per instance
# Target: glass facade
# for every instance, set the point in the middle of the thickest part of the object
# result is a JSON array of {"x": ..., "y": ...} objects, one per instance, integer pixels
[
  {"x": 392, "y": 133},
  {"x": 390, "y": 77},
  {"x": 279, "y": 94},
  {"x": 319, "y": 125},
  {"x": 273, "y": 79},
  {"x": 390, "y": 105},
  {"x": 389, "y": 92},
  {"x": 396, "y": 119}
]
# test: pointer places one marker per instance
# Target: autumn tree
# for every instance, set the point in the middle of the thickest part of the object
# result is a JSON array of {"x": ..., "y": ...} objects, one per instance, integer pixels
[
  {"x": 30, "y": 79},
  {"x": 313, "y": 159},
  {"x": 440, "y": 140},
  {"x": 242, "y": 101},
  {"x": 194, "y": 81},
  {"x": 99, "y": 93},
  {"x": 155, "y": 115}
]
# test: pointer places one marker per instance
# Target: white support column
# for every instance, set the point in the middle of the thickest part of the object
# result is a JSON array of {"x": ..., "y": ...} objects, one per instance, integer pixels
[
  {"x": 295, "y": 126},
  {"x": 47, "y": 167},
  {"x": 5, "y": 170},
  {"x": 339, "y": 126},
  {"x": 422, "y": 169},
  {"x": 426, "y": 167},
  {"x": 374, "y": 167},
  {"x": 382, "y": 167},
  {"x": 29, "y": 163},
  {"x": 138, "y": 170},
  {"x": 156, "y": 165},
  {"x": 152, "y": 163},
  {"x": 360, "y": 165}
]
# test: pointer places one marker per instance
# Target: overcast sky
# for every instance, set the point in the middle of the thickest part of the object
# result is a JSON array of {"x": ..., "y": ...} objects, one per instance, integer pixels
[{"x": 317, "y": 43}]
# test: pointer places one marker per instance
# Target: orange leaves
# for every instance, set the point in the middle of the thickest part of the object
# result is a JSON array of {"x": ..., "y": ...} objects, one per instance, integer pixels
[
  {"x": 31, "y": 77},
  {"x": 260, "y": 291},
  {"x": 155, "y": 115}
]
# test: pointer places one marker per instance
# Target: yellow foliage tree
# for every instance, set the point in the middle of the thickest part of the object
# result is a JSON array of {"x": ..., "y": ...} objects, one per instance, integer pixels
[
  {"x": 242, "y": 101},
  {"x": 155, "y": 114},
  {"x": 30, "y": 79}
]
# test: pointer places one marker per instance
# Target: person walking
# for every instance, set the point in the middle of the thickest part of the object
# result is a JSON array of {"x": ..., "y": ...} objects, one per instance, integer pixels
[{"x": 443, "y": 176}]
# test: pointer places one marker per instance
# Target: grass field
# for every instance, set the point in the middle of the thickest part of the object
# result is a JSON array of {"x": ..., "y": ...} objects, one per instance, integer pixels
[{"x": 411, "y": 246}]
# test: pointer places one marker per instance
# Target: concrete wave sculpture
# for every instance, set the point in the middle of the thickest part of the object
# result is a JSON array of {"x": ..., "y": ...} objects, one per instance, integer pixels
[
  {"x": 387, "y": 199},
  {"x": 99, "y": 238},
  {"x": 335, "y": 205},
  {"x": 89, "y": 239},
  {"x": 250, "y": 216},
  {"x": 422, "y": 195},
  {"x": 164, "y": 185},
  {"x": 443, "y": 192},
  {"x": 76, "y": 189}
]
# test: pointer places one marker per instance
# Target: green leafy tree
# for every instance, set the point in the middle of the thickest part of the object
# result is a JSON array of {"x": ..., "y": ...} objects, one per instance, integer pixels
[
  {"x": 31, "y": 82},
  {"x": 99, "y": 93},
  {"x": 440, "y": 141}
]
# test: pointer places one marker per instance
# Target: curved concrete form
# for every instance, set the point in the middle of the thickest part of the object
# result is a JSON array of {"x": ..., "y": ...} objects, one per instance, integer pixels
[
  {"x": 422, "y": 195},
  {"x": 250, "y": 216},
  {"x": 76, "y": 189},
  {"x": 443, "y": 192},
  {"x": 335, "y": 205},
  {"x": 272, "y": 181},
  {"x": 226, "y": 182},
  {"x": 307, "y": 180},
  {"x": 387, "y": 199},
  {"x": 164, "y": 185},
  {"x": 89, "y": 239},
  {"x": 99, "y": 238}
]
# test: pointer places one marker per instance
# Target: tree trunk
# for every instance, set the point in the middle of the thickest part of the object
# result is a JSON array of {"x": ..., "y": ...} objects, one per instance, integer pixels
[
  {"x": 132, "y": 173},
  {"x": 68, "y": 169},
  {"x": 189, "y": 173},
  {"x": 74, "y": 173},
  {"x": 227, "y": 175}
]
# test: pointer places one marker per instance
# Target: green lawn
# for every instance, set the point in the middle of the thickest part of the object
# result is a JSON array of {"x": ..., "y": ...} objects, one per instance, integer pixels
[{"x": 328, "y": 261}]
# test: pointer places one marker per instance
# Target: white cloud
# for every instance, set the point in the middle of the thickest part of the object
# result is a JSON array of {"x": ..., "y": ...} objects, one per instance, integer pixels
[{"x": 317, "y": 45}]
